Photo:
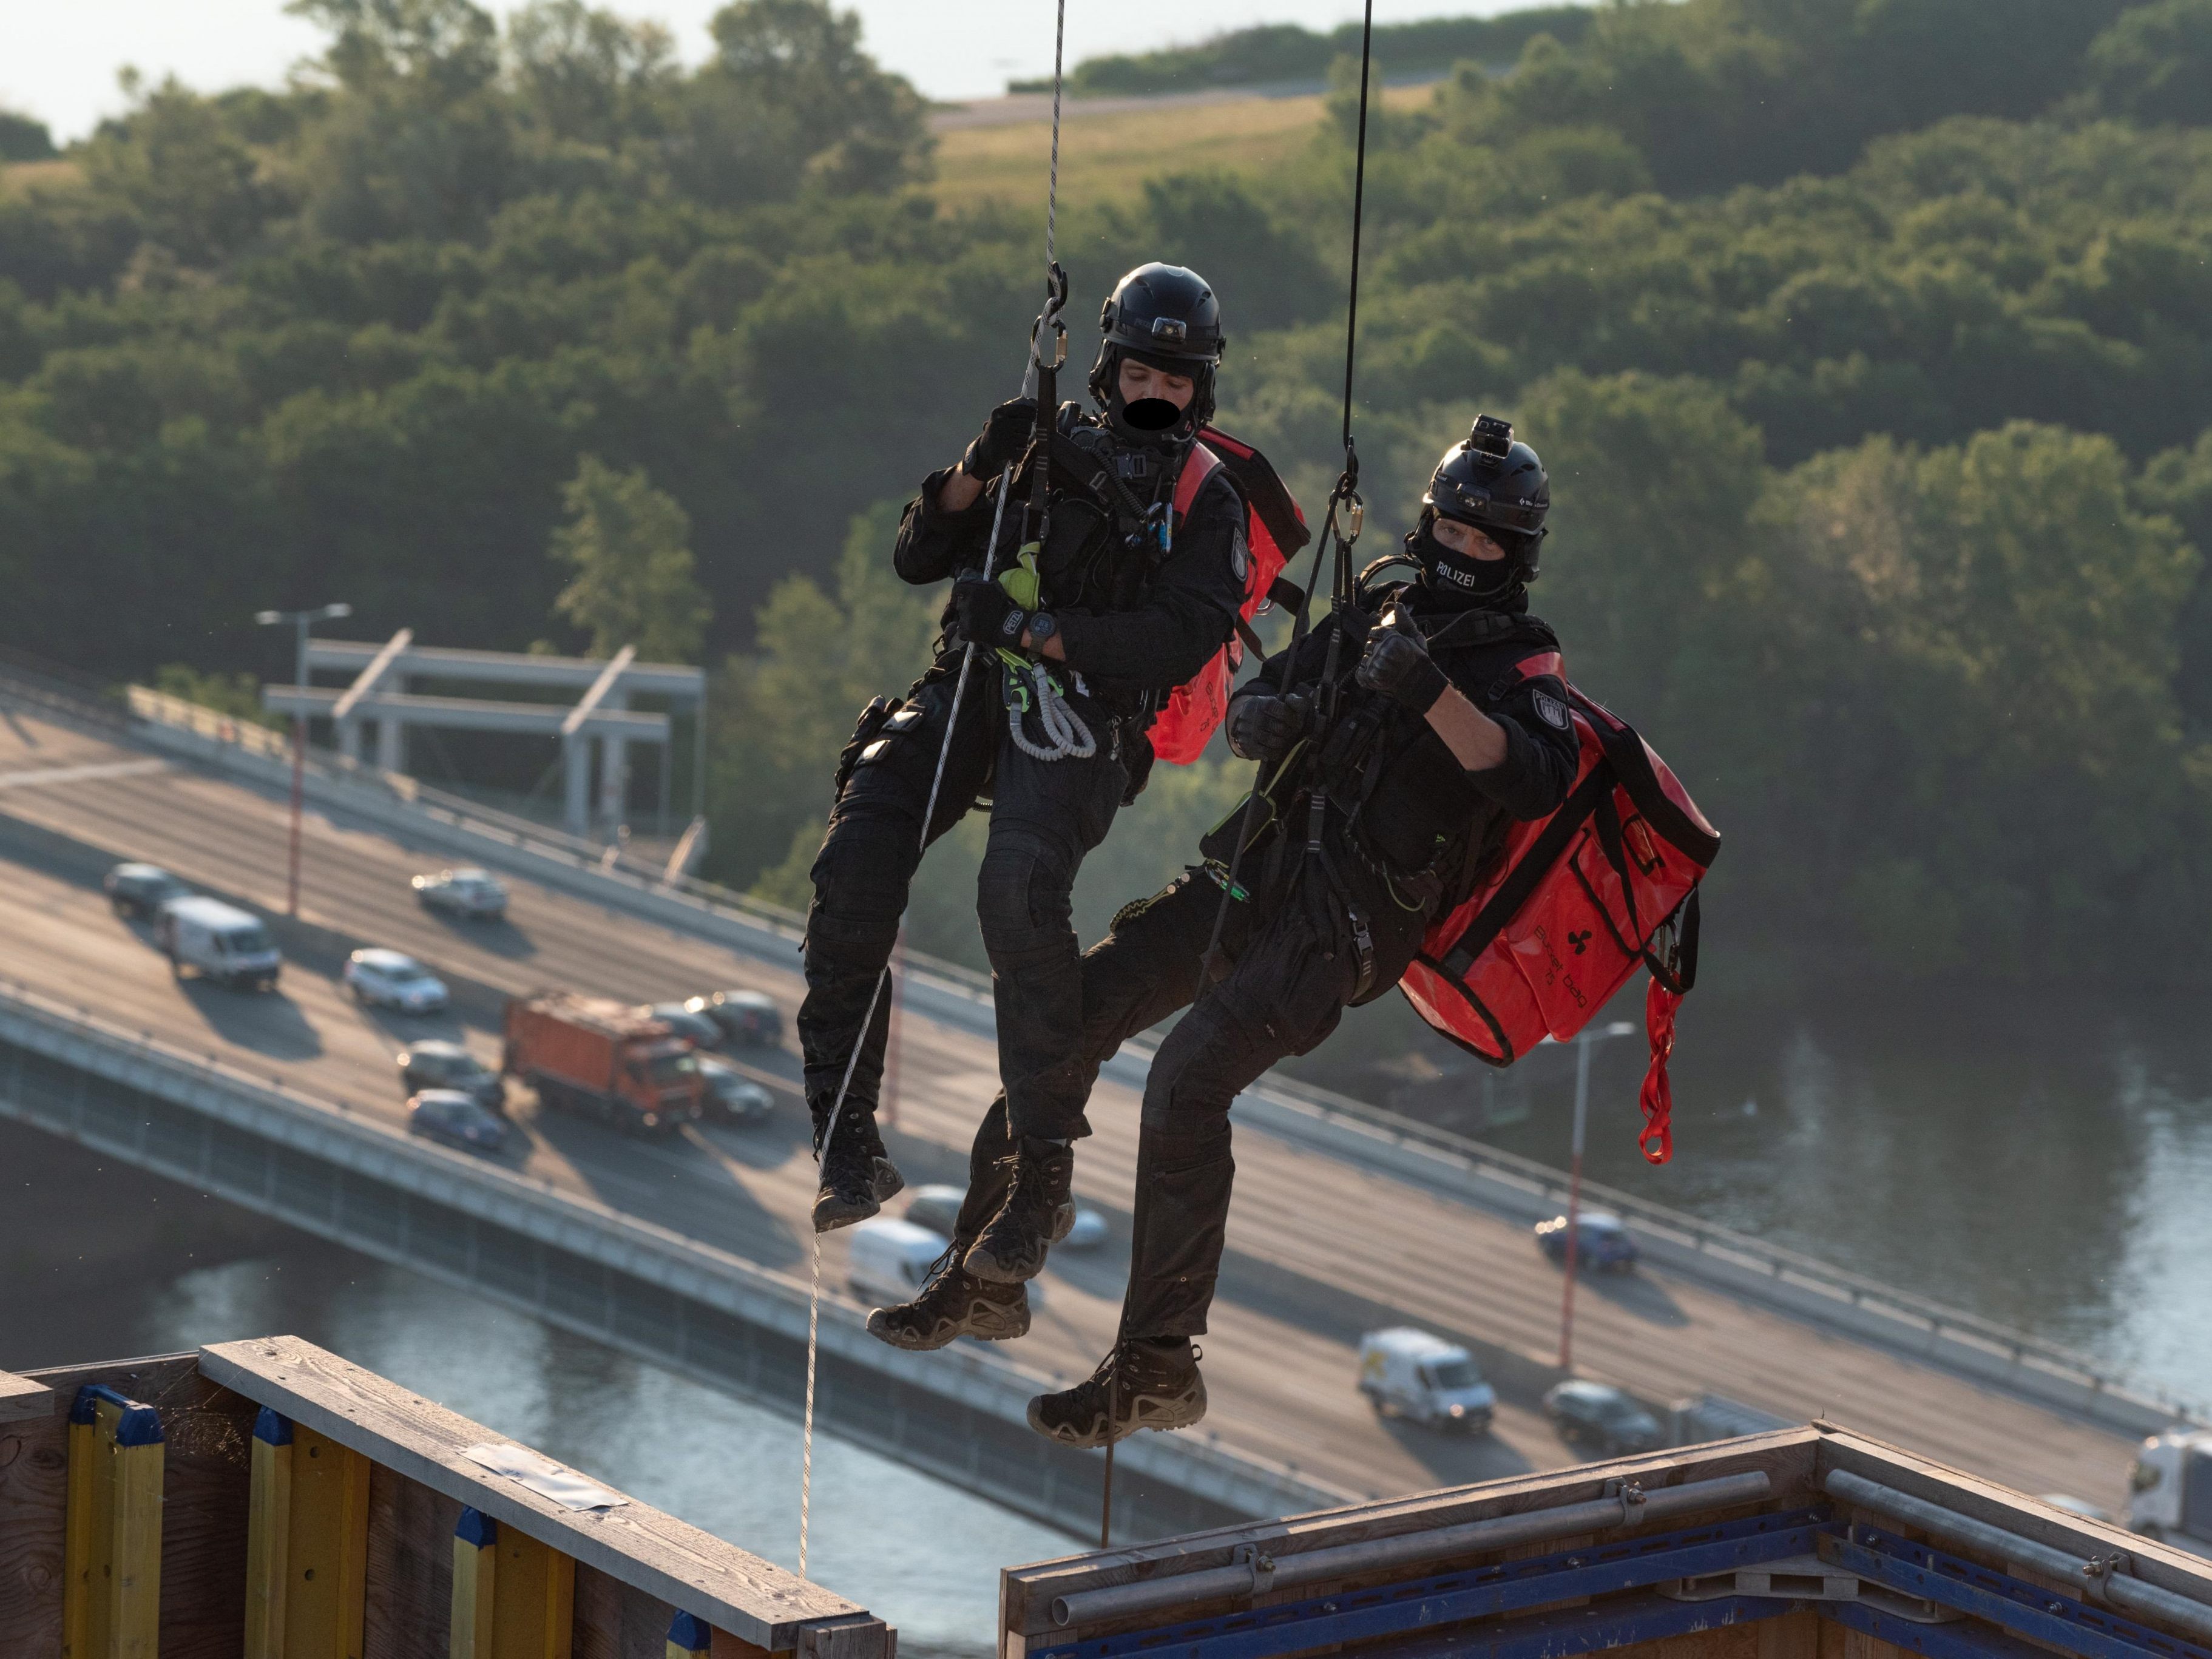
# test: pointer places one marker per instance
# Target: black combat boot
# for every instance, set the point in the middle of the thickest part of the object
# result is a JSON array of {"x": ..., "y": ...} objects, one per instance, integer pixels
[
  {"x": 856, "y": 1175},
  {"x": 1036, "y": 1215},
  {"x": 953, "y": 1303},
  {"x": 1140, "y": 1385}
]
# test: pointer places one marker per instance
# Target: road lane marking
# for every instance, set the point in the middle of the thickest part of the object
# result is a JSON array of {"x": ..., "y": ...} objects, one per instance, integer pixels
[{"x": 85, "y": 773}]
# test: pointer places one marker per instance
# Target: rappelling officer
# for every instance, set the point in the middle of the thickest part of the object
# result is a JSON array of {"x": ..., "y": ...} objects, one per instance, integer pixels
[
  {"x": 1451, "y": 719},
  {"x": 1078, "y": 640}
]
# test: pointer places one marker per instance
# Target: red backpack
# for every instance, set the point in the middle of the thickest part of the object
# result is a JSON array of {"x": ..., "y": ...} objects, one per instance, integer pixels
[
  {"x": 1275, "y": 529},
  {"x": 1575, "y": 904}
]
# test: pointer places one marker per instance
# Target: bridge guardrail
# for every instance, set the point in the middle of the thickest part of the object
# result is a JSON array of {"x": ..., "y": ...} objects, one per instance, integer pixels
[
  {"x": 330, "y": 1131},
  {"x": 1801, "y": 1284}
]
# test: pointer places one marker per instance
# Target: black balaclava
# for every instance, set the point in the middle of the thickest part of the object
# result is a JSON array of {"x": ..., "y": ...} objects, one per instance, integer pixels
[
  {"x": 1154, "y": 423},
  {"x": 1454, "y": 582}
]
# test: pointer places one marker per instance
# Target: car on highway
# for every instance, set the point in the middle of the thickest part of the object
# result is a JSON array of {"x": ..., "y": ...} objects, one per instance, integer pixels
[
  {"x": 887, "y": 1261},
  {"x": 443, "y": 1065},
  {"x": 1602, "y": 1242},
  {"x": 392, "y": 979},
  {"x": 731, "y": 1096},
  {"x": 696, "y": 1030},
  {"x": 141, "y": 890},
  {"x": 938, "y": 1206},
  {"x": 217, "y": 941},
  {"x": 745, "y": 1016},
  {"x": 1599, "y": 1415},
  {"x": 1404, "y": 1372},
  {"x": 476, "y": 895},
  {"x": 457, "y": 1119}
]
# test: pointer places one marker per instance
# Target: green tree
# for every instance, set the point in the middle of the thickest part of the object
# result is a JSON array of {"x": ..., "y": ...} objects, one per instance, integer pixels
[
  {"x": 583, "y": 72},
  {"x": 191, "y": 181},
  {"x": 24, "y": 139},
  {"x": 630, "y": 547},
  {"x": 2154, "y": 63}
]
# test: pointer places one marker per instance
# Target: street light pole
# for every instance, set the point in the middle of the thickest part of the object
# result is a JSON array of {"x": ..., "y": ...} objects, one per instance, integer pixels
[
  {"x": 301, "y": 620},
  {"x": 1582, "y": 1044}
]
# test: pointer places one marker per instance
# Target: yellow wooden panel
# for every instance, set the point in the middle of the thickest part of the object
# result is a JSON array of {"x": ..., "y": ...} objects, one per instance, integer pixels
[
  {"x": 536, "y": 1600},
  {"x": 84, "y": 1548},
  {"x": 475, "y": 1577},
  {"x": 267, "y": 1537},
  {"x": 326, "y": 1603},
  {"x": 111, "y": 1565}
]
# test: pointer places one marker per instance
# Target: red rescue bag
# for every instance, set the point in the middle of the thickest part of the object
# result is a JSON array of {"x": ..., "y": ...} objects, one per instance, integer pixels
[
  {"x": 1576, "y": 902},
  {"x": 1275, "y": 529}
]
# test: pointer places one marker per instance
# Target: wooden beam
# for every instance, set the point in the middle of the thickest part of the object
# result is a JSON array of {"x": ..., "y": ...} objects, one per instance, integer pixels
[
  {"x": 476, "y": 1587},
  {"x": 307, "y": 1546},
  {"x": 682, "y": 1566},
  {"x": 112, "y": 1593},
  {"x": 23, "y": 1400}
]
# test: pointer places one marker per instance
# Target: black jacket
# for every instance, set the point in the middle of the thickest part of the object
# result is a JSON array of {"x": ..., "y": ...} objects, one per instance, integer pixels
[
  {"x": 1134, "y": 624},
  {"x": 1388, "y": 773}
]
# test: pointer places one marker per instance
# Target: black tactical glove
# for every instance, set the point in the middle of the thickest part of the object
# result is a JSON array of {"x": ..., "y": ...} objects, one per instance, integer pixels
[
  {"x": 1398, "y": 665},
  {"x": 1262, "y": 727},
  {"x": 988, "y": 615},
  {"x": 1005, "y": 435}
]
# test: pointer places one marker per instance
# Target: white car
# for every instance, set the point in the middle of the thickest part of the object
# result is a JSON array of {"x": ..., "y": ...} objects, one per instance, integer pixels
[
  {"x": 390, "y": 979},
  {"x": 217, "y": 941},
  {"x": 891, "y": 1260},
  {"x": 476, "y": 894}
]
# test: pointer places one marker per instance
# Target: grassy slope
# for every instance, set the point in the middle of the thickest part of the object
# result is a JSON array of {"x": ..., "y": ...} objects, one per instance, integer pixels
[{"x": 1106, "y": 157}]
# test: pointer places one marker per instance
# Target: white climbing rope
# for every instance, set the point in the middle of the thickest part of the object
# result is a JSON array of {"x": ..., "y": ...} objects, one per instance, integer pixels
[
  {"x": 1067, "y": 735},
  {"x": 814, "y": 1296}
]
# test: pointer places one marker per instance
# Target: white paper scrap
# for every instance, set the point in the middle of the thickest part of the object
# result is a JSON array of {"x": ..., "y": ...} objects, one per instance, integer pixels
[{"x": 542, "y": 1474}]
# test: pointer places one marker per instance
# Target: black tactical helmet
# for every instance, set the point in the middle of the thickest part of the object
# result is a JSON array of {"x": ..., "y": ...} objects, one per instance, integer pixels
[
  {"x": 1166, "y": 316},
  {"x": 1497, "y": 485}
]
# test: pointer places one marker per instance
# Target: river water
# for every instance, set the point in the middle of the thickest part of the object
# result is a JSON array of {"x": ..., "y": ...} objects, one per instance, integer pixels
[{"x": 2040, "y": 1162}]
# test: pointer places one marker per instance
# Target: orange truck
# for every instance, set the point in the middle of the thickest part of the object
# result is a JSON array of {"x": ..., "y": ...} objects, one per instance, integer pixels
[{"x": 593, "y": 1055}]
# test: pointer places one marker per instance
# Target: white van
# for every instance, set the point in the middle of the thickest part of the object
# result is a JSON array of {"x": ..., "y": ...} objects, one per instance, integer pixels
[
  {"x": 891, "y": 1259},
  {"x": 218, "y": 941},
  {"x": 1415, "y": 1375},
  {"x": 2170, "y": 1489}
]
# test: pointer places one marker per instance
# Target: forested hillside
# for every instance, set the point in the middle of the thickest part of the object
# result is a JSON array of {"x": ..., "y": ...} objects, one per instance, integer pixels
[{"x": 1869, "y": 341}]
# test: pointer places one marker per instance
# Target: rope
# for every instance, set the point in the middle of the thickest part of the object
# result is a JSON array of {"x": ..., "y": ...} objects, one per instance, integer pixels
[
  {"x": 1359, "y": 203},
  {"x": 814, "y": 1295},
  {"x": 1067, "y": 735},
  {"x": 967, "y": 662},
  {"x": 1052, "y": 183}
]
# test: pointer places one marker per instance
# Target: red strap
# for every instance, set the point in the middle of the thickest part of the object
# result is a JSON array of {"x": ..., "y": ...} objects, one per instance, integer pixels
[
  {"x": 1657, "y": 1140},
  {"x": 1197, "y": 468},
  {"x": 1544, "y": 662}
]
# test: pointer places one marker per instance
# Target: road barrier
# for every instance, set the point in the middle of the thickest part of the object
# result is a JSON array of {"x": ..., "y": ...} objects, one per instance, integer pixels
[
  {"x": 960, "y": 1414},
  {"x": 1801, "y": 1286}
]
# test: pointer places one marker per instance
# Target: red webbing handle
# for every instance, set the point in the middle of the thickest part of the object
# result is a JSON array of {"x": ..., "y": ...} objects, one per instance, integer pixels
[{"x": 1656, "y": 1139}]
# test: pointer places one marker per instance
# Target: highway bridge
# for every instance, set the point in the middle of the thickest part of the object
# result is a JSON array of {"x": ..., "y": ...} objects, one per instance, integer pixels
[{"x": 1320, "y": 1247}]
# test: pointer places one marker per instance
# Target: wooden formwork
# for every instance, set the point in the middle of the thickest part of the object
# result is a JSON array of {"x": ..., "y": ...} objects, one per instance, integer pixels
[{"x": 266, "y": 1500}]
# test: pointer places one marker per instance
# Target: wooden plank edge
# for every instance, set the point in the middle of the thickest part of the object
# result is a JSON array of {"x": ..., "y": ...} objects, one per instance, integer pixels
[
  {"x": 248, "y": 1368},
  {"x": 24, "y": 1401}
]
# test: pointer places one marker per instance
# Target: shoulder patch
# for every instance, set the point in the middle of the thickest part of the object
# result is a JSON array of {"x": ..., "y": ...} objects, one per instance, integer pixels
[
  {"x": 1552, "y": 712},
  {"x": 1239, "y": 559}
]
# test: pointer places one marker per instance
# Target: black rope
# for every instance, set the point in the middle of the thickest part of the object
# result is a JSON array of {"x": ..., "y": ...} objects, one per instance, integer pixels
[{"x": 1358, "y": 205}]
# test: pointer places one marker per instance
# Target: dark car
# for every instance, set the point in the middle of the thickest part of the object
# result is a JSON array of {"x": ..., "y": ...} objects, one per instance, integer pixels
[
  {"x": 1602, "y": 1243},
  {"x": 743, "y": 1016},
  {"x": 732, "y": 1096},
  {"x": 443, "y": 1065},
  {"x": 697, "y": 1029},
  {"x": 140, "y": 890},
  {"x": 1599, "y": 1415},
  {"x": 456, "y": 1119}
]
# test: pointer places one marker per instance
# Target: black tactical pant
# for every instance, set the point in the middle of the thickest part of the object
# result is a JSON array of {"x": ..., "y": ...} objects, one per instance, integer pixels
[
  {"x": 1297, "y": 963},
  {"x": 1045, "y": 816}
]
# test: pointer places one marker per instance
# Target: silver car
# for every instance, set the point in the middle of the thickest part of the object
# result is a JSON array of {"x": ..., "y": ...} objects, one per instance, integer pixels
[{"x": 475, "y": 895}]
